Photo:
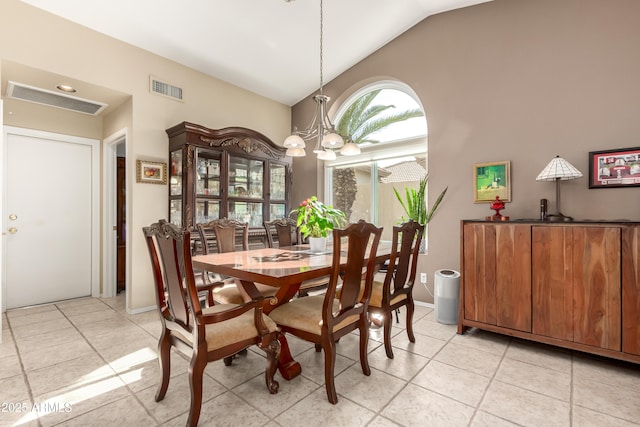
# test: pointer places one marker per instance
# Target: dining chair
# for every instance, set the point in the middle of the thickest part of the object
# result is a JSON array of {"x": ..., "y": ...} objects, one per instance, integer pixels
[
  {"x": 224, "y": 234},
  {"x": 287, "y": 233},
  {"x": 324, "y": 319},
  {"x": 203, "y": 334},
  {"x": 397, "y": 288}
]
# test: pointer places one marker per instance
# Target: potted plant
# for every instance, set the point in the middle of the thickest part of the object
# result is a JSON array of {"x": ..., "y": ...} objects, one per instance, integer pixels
[
  {"x": 415, "y": 204},
  {"x": 316, "y": 220}
]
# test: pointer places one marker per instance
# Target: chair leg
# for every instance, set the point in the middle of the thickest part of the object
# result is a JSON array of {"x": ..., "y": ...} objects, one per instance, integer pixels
[
  {"x": 410, "y": 309},
  {"x": 364, "y": 341},
  {"x": 387, "y": 320},
  {"x": 329, "y": 347},
  {"x": 164, "y": 358},
  {"x": 195, "y": 382},
  {"x": 272, "y": 349}
]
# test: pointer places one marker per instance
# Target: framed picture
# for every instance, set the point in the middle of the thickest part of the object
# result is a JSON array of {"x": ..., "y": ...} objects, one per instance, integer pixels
[
  {"x": 491, "y": 180},
  {"x": 614, "y": 168},
  {"x": 151, "y": 172}
]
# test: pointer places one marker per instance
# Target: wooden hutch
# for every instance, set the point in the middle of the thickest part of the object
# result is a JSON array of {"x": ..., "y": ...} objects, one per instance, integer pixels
[{"x": 234, "y": 173}]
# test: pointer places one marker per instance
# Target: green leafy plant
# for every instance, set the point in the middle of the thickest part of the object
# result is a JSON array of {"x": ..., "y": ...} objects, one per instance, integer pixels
[
  {"x": 415, "y": 204},
  {"x": 316, "y": 219}
]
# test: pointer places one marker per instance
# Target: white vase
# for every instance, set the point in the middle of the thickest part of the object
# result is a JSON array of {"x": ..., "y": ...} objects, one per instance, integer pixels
[{"x": 317, "y": 244}]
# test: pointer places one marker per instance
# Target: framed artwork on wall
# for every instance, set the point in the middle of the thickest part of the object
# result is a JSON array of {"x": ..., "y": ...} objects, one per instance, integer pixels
[
  {"x": 491, "y": 180},
  {"x": 151, "y": 172},
  {"x": 614, "y": 168}
]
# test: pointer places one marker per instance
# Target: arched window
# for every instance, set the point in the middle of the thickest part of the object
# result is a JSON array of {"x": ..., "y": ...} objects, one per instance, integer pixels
[{"x": 363, "y": 185}]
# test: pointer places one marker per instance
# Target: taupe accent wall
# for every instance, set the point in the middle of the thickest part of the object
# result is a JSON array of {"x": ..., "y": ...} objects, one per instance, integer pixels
[{"x": 517, "y": 80}]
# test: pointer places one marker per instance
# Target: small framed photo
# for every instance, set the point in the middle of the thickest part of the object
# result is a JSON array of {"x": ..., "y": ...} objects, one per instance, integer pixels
[
  {"x": 614, "y": 168},
  {"x": 151, "y": 172},
  {"x": 491, "y": 180}
]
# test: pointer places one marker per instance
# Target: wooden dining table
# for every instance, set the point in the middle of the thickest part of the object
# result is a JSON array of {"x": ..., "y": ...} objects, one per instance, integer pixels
[{"x": 285, "y": 268}]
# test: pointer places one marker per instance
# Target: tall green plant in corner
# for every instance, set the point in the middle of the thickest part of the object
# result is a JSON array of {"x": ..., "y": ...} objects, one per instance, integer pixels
[{"x": 414, "y": 202}]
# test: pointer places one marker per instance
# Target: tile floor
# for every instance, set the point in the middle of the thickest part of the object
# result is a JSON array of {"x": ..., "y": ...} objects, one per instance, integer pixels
[{"x": 86, "y": 362}]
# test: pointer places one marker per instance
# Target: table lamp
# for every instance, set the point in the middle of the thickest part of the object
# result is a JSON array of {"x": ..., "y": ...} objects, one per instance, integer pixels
[{"x": 558, "y": 170}]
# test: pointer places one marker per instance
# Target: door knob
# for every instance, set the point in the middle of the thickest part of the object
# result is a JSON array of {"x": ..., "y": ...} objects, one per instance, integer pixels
[
  {"x": 13, "y": 217},
  {"x": 13, "y": 230}
]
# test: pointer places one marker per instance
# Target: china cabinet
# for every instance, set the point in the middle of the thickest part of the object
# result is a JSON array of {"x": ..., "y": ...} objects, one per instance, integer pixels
[
  {"x": 234, "y": 173},
  {"x": 574, "y": 285}
]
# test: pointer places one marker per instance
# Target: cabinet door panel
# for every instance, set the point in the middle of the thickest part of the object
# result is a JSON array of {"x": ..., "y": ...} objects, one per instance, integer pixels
[
  {"x": 479, "y": 273},
  {"x": 596, "y": 291},
  {"x": 552, "y": 279},
  {"x": 513, "y": 276},
  {"x": 631, "y": 290}
]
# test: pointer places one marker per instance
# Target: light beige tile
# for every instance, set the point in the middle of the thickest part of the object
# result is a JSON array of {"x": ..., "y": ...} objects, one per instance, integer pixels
[
  {"x": 316, "y": 411},
  {"x": 461, "y": 356},
  {"x": 349, "y": 346},
  {"x": 524, "y": 407},
  {"x": 69, "y": 375},
  {"x": 484, "y": 419},
  {"x": 289, "y": 393},
  {"x": 416, "y": 406},
  {"x": 17, "y": 312},
  {"x": 425, "y": 345},
  {"x": 434, "y": 329},
  {"x": 76, "y": 302},
  {"x": 535, "y": 378},
  {"x": 609, "y": 399},
  {"x": 312, "y": 364},
  {"x": 243, "y": 368},
  {"x": 372, "y": 392},
  {"x": 7, "y": 346},
  {"x": 583, "y": 417},
  {"x": 14, "y": 389},
  {"x": 456, "y": 383},
  {"x": 229, "y": 410},
  {"x": 95, "y": 316},
  {"x": 483, "y": 340},
  {"x": 123, "y": 412},
  {"x": 540, "y": 354},
  {"x": 382, "y": 422},
  {"x": 41, "y": 328},
  {"x": 95, "y": 306},
  {"x": 53, "y": 355},
  {"x": 141, "y": 375},
  {"x": 404, "y": 365},
  {"x": 608, "y": 371},
  {"x": 10, "y": 367},
  {"x": 297, "y": 346},
  {"x": 30, "y": 319},
  {"x": 41, "y": 341},
  {"x": 177, "y": 400},
  {"x": 106, "y": 326}
]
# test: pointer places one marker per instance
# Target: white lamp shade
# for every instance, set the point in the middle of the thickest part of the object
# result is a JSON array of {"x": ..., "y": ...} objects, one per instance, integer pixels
[
  {"x": 559, "y": 168},
  {"x": 295, "y": 152},
  {"x": 327, "y": 155},
  {"x": 294, "y": 141},
  {"x": 350, "y": 149},
  {"x": 332, "y": 140}
]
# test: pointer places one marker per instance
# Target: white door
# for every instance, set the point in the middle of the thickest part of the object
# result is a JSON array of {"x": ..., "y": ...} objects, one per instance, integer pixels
[{"x": 49, "y": 217}]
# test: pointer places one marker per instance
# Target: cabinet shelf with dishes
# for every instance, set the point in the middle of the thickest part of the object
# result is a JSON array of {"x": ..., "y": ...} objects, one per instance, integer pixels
[{"x": 234, "y": 173}]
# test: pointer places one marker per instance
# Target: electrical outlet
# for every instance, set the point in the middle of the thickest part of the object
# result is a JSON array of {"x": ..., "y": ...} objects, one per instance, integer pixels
[{"x": 423, "y": 277}]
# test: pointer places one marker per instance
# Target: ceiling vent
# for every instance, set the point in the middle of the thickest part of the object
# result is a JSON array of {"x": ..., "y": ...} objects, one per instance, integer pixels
[
  {"x": 165, "y": 89},
  {"x": 54, "y": 99}
]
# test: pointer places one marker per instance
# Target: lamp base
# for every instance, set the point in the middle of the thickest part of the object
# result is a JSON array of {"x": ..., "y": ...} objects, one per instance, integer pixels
[{"x": 558, "y": 217}]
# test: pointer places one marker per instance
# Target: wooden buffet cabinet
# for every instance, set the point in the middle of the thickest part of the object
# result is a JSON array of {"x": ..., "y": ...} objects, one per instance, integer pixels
[
  {"x": 234, "y": 173},
  {"x": 574, "y": 285}
]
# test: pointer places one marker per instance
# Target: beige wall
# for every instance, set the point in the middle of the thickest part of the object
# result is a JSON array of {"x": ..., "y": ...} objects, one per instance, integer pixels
[
  {"x": 518, "y": 80},
  {"x": 45, "y": 42}
]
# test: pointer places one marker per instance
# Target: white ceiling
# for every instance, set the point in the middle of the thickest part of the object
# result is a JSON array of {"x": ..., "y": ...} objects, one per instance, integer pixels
[{"x": 270, "y": 47}]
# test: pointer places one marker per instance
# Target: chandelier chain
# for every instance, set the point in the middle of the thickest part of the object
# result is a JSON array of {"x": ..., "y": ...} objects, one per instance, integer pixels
[{"x": 321, "y": 37}]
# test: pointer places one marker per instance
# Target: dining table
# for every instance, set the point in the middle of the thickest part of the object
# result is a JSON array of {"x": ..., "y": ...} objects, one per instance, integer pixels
[{"x": 285, "y": 268}]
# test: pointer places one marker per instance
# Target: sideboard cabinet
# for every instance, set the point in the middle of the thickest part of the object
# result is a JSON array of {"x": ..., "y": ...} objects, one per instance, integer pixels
[
  {"x": 234, "y": 173},
  {"x": 575, "y": 285}
]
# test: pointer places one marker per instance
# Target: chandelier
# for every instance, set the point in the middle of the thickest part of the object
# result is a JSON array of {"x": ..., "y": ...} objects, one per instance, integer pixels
[{"x": 320, "y": 127}]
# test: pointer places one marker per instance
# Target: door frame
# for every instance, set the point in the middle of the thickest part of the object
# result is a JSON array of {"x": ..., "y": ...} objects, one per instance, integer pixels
[
  {"x": 94, "y": 144},
  {"x": 110, "y": 244}
]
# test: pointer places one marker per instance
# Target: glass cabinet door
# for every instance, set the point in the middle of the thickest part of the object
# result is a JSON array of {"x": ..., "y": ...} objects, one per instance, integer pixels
[
  {"x": 277, "y": 210},
  {"x": 277, "y": 182},
  {"x": 207, "y": 210},
  {"x": 246, "y": 178},
  {"x": 207, "y": 173},
  {"x": 246, "y": 212},
  {"x": 175, "y": 173}
]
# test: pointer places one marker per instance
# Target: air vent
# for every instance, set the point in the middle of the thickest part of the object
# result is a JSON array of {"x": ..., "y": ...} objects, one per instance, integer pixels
[
  {"x": 54, "y": 99},
  {"x": 165, "y": 89}
]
